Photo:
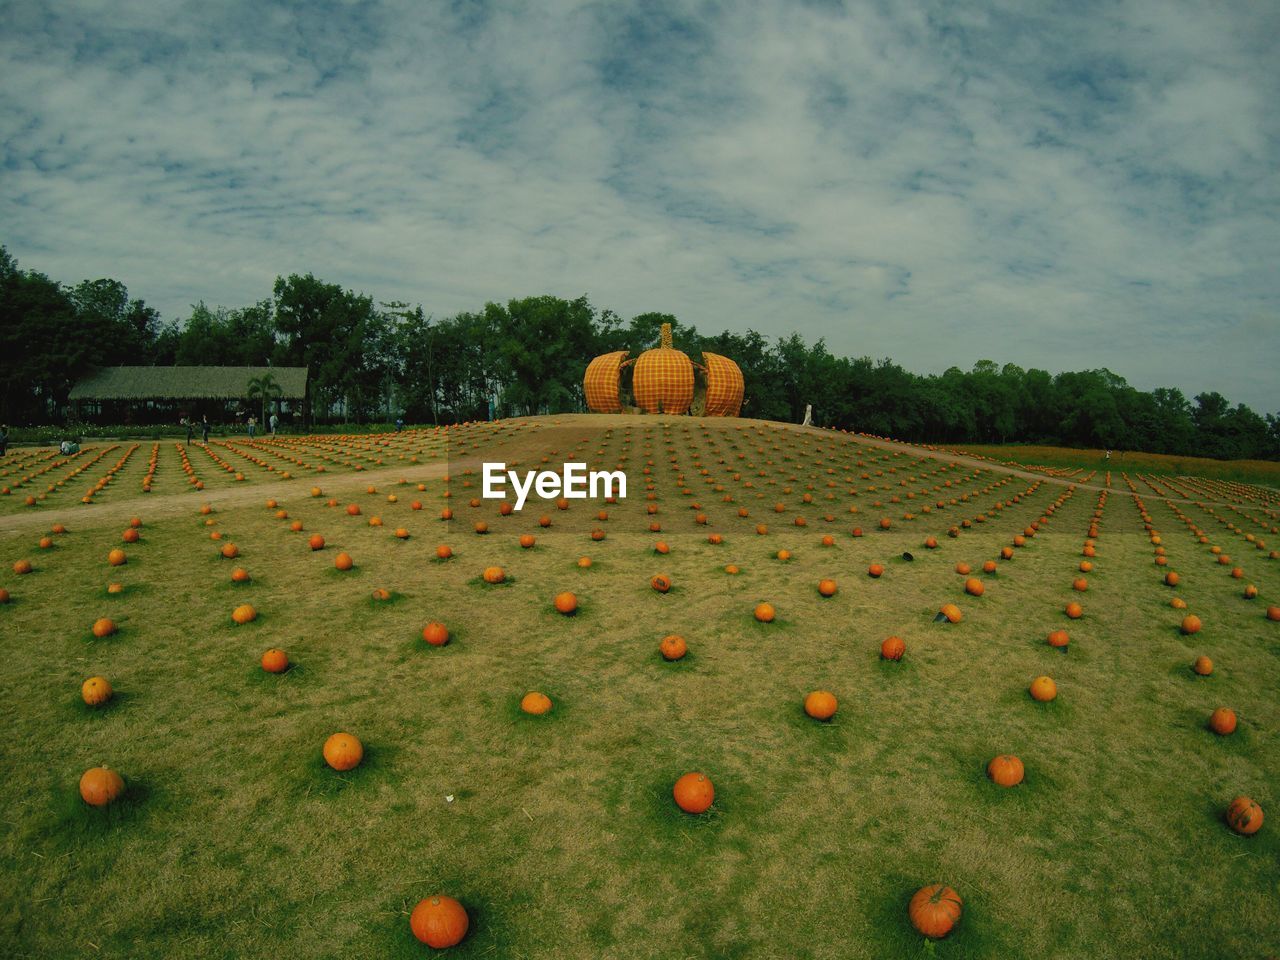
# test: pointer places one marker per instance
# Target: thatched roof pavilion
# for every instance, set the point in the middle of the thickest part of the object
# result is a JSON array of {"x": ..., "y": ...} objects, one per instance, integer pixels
[
  {"x": 154, "y": 393},
  {"x": 186, "y": 383}
]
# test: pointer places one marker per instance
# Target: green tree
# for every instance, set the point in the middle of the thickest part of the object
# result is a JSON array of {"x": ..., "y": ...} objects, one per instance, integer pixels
[
  {"x": 267, "y": 389},
  {"x": 42, "y": 352},
  {"x": 339, "y": 337}
]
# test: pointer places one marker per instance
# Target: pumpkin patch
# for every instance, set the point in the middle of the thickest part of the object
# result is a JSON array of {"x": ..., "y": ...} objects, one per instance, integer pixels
[{"x": 509, "y": 800}]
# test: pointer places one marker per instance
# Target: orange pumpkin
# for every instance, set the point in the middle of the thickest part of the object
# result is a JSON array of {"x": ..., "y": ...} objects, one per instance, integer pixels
[
  {"x": 820, "y": 704},
  {"x": 584, "y": 562},
  {"x": 935, "y": 910},
  {"x": 731, "y": 568},
  {"x": 1191, "y": 624},
  {"x": 1203, "y": 666},
  {"x": 1244, "y": 816},
  {"x": 435, "y": 633},
  {"x": 963, "y": 569},
  {"x": 96, "y": 691},
  {"x": 566, "y": 603},
  {"x": 316, "y": 542},
  {"x": 444, "y": 551},
  {"x": 535, "y": 703},
  {"x": 989, "y": 567},
  {"x": 875, "y": 570},
  {"x": 130, "y": 535},
  {"x": 951, "y": 612},
  {"x": 765, "y": 613},
  {"x": 1171, "y": 579},
  {"x": 494, "y": 575},
  {"x": 275, "y": 660},
  {"x": 103, "y": 627},
  {"x": 1223, "y": 721},
  {"x": 381, "y": 594},
  {"x": 99, "y": 786},
  {"x": 343, "y": 561},
  {"x": 1043, "y": 689},
  {"x": 244, "y": 614},
  {"x": 827, "y": 588},
  {"x": 661, "y": 582},
  {"x": 527, "y": 540},
  {"x": 353, "y": 510},
  {"x": 342, "y": 751},
  {"x": 1006, "y": 770},
  {"x": 240, "y": 575},
  {"x": 439, "y": 921},
  {"x": 1074, "y": 610},
  {"x": 673, "y": 647},
  {"x": 117, "y": 557},
  {"x": 1273, "y": 613},
  {"x": 973, "y": 586},
  {"x": 1080, "y": 584},
  {"x": 694, "y": 793},
  {"x": 892, "y": 648},
  {"x": 24, "y": 566}
]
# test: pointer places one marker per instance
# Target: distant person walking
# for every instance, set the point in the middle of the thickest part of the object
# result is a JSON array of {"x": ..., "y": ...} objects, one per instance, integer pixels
[
  {"x": 4, "y": 439},
  {"x": 274, "y": 422},
  {"x": 186, "y": 422},
  {"x": 204, "y": 428},
  {"x": 399, "y": 424},
  {"x": 253, "y": 423}
]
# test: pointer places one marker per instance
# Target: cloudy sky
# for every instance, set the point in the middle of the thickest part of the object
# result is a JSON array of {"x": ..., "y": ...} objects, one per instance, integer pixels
[{"x": 931, "y": 182}]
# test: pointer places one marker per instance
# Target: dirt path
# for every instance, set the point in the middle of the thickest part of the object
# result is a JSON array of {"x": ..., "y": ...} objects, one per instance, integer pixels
[{"x": 511, "y": 448}]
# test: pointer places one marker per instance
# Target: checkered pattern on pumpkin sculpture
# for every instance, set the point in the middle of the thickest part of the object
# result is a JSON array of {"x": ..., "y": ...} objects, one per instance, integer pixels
[
  {"x": 724, "y": 386},
  {"x": 663, "y": 381},
  {"x": 600, "y": 383}
]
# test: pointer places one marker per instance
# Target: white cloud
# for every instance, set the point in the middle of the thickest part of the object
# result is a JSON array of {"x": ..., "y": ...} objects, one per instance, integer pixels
[{"x": 914, "y": 182}]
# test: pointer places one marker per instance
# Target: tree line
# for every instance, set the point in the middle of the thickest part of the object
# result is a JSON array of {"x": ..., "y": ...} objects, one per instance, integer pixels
[{"x": 372, "y": 361}]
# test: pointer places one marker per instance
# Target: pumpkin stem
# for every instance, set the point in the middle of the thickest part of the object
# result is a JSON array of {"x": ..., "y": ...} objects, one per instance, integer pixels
[{"x": 666, "y": 336}]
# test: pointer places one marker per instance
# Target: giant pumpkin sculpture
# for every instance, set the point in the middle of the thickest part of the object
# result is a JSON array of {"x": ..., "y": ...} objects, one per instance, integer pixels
[{"x": 664, "y": 380}]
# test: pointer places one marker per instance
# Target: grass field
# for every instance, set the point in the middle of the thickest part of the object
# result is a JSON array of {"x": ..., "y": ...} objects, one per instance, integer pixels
[
  {"x": 1262, "y": 472},
  {"x": 559, "y": 833}
]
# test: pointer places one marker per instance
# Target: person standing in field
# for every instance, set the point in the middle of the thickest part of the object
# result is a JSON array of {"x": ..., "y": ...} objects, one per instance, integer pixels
[
  {"x": 274, "y": 422},
  {"x": 252, "y": 425},
  {"x": 186, "y": 422},
  {"x": 204, "y": 428}
]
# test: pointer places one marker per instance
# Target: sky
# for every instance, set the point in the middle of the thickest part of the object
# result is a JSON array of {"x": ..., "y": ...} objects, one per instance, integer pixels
[{"x": 1058, "y": 185}]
